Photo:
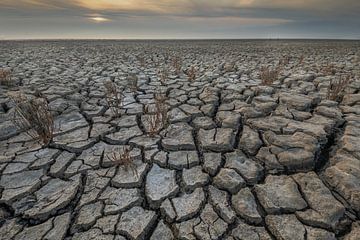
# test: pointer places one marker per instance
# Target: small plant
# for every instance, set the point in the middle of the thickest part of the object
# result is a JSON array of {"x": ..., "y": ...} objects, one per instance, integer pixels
[
  {"x": 113, "y": 97},
  {"x": 336, "y": 88},
  {"x": 123, "y": 158},
  {"x": 142, "y": 61},
  {"x": 329, "y": 69},
  {"x": 268, "y": 75},
  {"x": 176, "y": 64},
  {"x": 157, "y": 120},
  {"x": 163, "y": 75},
  {"x": 5, "y": 77},
  {"x": 229, "y": 67},
  {"x": 133, "y": 82},
  {"x": 284, "y": 61},
  {"x": 301, "y": 60},
  {"x": 191, "y": 73},
  {"x": 33, "y": 116}
]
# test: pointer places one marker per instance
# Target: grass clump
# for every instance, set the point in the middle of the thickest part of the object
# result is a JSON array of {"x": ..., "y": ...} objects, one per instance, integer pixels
[
  {"x": 113, "y": 97},
  {"x": 123, "y": 158},
  {"x": 191, "y": 73},
  {"x": 33, "y": 116},
  {"x": 157, "y": 120},
  {"x": 163, "y": 75},
  {"x": 177, "y": 64},
  {"x": 269, "y": 75},
  {"x": 5, "y": 77},
  {"x": 132, "y": 80},
  {"x": 329, "y": 69},
  {"x": 336, "y": 88}
]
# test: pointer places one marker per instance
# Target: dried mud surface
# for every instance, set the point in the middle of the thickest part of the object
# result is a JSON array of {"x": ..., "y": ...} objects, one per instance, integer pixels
[{"x": 238, "y": 159}]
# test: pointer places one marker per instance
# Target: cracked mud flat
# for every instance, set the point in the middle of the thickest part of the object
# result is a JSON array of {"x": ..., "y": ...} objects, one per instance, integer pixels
[{"x": 239, "y": 160}]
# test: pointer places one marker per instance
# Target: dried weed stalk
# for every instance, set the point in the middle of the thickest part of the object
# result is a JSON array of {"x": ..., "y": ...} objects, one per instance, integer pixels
[
  {"x": 158, "y": 120},
  {"x": 229, "y": 67},
  {"x": 191, "y": 73},
  {"x": 132, "y": 80},
  {"x": 176, "y": 64},
  {"x": 285, "y": 60},
  {"x": 163, "y": 74},
  {"x": 5, "y": 77},
  {"x": 33, "y": 116},
  {"x": 142, "y": 61},
  {"x": 268, "y": 75},
  {"x": 123, "y": 158},
  {"x": 329, "y": 69},
  {"x": 336, "y": 88},
  {"x": 113, "y": 97},
  {"x": 301, "y": 60}
]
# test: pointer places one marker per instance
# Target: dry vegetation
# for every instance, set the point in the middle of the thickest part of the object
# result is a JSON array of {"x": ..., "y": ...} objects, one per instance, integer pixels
[
  {"x": 157, "y": 120},
  {"x": 142, "y": 61},
  {"x": 329, "y": 69},
  {"x": 33, "y": 116},
  {"x": 132, "y": 80},
  {"x": 269, "y": 75},
  {"x": 176, "y": 64},
  {"x": 123, "y": 158},
  {"x": 336, "y": 87},
  {"x": 163, "y": 75},
  {"x": 191, "y": 73},
  {"x": 5, "y": 77},
  {"x": 113, "y": 97}
]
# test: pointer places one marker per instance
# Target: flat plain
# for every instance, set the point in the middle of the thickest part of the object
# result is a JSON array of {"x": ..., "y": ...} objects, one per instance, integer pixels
[{"x": 217, "y": 139}]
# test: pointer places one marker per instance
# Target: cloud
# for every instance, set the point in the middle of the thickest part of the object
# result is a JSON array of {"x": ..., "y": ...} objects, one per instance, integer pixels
[{"x": 179, "y": 17}]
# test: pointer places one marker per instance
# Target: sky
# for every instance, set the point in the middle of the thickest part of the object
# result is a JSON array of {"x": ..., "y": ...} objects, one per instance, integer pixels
[{"x": 179, "y": 19}]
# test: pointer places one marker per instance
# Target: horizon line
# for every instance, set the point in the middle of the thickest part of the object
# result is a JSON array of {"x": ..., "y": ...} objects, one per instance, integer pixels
[{"x": 172, "y": 39}]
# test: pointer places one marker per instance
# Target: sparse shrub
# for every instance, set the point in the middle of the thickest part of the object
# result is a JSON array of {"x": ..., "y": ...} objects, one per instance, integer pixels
[
  {"x": 113, "y": 97},
  {"x": 284, "y": 61},
  {"x": 176, "y": 64},
  {"x": 133, "y": 82},
  {"x": 123, "y": 158},
  {"x": 191, "y": 73},
  {"x": 336, "y": 88},
  {"x": 301, "y": 60},
  {"x": 268, "y": 75},
  {"x": 141, "y": 60},
  {"x": 229, "y": 67},
  {"x": 33, "y": 116},
  {"x": 163, "y": 75},
  {"x": 329, "y": 69},
  {"x": 157, "y": 120},
  {"x": 5, "y": 77}
]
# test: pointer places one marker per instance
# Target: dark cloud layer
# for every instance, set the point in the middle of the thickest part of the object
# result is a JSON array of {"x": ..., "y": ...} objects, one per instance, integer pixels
[{"x": 179, "y": 19}]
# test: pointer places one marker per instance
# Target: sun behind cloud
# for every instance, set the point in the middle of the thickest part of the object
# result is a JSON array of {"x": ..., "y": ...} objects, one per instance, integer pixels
[{"x": 99, "y": 19}]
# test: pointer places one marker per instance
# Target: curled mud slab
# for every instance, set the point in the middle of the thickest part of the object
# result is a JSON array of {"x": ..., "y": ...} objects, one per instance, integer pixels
[{"x": 237, "y": 160}]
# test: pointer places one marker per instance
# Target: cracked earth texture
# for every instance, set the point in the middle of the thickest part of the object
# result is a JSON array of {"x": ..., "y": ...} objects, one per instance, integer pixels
[{"x": 238, "y": 159}]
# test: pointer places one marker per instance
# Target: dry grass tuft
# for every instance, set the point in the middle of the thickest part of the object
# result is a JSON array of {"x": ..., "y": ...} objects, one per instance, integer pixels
[
  {"x": 329, "y": 69},
  {"x": 123, "y": 158},
  {"x": 301, "y": 60},
  {"x": 163, "y": 75},
  {"x": 158, "y": 120},
  {"x": 113, "y": 97},
  {"x": 285, "y": 60},
  {"x": 230, "y": 67},
  {"x": 33, "y": 116},
  {"x": 336, "y": 88},
  {"x": 268, "y": 75},
  {"x": 191, "y": 73},
  {"x": 176, "y": 64},
  {"x": 5, "y": 77},
  {"x": 132, "y": 80},
  {"x": 141, "y": 60}
]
